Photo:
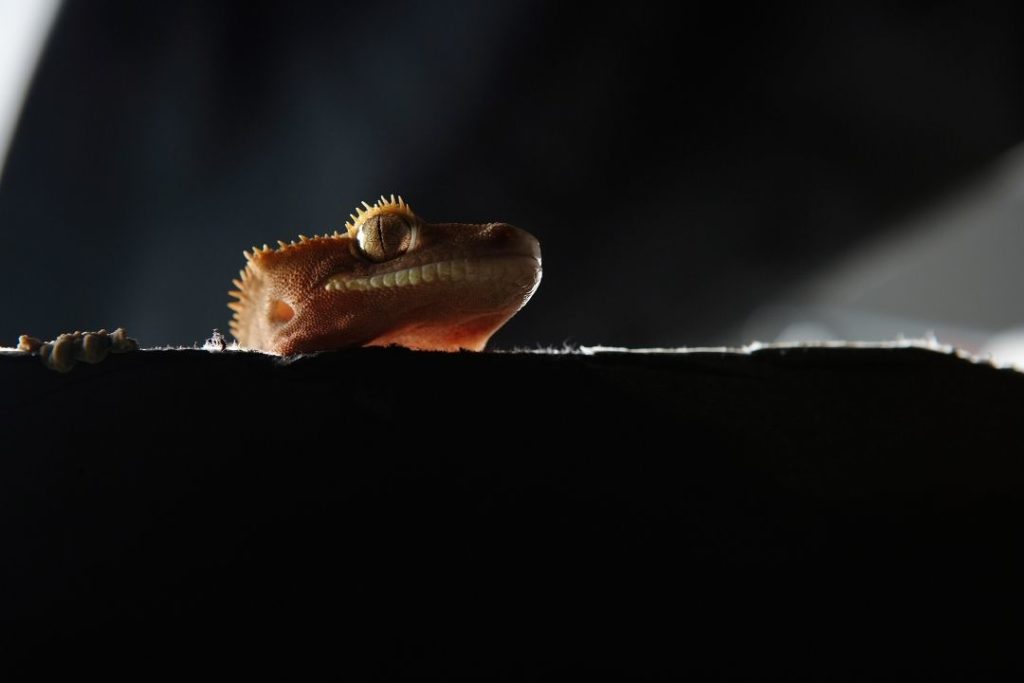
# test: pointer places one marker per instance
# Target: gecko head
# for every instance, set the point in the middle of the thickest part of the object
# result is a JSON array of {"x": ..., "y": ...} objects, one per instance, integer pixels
[{"x": 390, "y": 278}]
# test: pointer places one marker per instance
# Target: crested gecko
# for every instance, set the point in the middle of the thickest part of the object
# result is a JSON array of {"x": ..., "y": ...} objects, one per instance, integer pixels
[{"x": 389, "y": 278}]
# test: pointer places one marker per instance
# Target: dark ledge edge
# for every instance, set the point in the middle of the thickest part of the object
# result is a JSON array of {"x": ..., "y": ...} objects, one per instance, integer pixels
[{"x": 392, "y": 513}]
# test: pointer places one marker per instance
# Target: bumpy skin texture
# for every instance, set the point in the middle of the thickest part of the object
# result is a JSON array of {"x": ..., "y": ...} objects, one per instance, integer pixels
[{"x": 392, "y": 278}]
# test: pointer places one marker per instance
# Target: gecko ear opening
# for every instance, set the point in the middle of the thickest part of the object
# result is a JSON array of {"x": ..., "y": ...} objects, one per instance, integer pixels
[{"x": 280, "y": 312}]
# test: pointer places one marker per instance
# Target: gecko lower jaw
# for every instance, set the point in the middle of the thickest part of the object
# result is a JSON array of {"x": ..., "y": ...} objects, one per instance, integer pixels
[{"x": 512, "y": 269}]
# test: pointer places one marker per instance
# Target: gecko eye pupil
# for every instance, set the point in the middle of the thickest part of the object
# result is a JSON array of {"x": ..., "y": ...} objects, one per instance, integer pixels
[{"x": 385, "y": 237}]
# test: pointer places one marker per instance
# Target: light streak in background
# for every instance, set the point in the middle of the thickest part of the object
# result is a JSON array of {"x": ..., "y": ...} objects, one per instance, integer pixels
[
  {"x": 24, "y": 25},
  {"x": 955, "y": 272}
]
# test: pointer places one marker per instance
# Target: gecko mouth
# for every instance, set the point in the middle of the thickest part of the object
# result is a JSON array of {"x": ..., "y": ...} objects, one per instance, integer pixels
[{"x": 520, "y": 270}]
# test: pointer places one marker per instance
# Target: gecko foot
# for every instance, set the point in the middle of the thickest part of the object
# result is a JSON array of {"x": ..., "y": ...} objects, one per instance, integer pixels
[{"x": 62, "y": 353}]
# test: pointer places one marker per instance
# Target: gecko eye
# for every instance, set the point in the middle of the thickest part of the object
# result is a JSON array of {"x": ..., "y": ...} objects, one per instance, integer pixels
[{"x": 386, "y": 236}]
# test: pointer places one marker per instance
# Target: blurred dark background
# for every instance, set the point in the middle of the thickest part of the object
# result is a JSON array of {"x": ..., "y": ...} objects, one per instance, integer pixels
[{"x": 687, "y": 168}]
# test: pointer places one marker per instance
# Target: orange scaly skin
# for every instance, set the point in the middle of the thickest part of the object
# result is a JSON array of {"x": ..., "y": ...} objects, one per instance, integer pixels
[{"x": 392, "y": 278}]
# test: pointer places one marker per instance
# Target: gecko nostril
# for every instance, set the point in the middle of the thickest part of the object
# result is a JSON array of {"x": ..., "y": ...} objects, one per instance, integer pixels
[
  {"x": 503, "y": 234},
  {"x": 512, "y": 240}
]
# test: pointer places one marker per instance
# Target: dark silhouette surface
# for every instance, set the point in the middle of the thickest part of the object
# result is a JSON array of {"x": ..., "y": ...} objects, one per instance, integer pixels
[{"x": 835, "y": 514}]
